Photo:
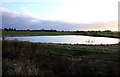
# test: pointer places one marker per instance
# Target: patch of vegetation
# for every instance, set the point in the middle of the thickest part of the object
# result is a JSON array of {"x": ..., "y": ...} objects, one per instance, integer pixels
[
  {"x": 57, "y": 60},
  {"x": 15, "y": 32}
]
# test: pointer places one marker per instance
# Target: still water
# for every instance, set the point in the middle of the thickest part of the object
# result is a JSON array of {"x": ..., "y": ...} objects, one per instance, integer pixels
[{"x": 68, "y": 39}]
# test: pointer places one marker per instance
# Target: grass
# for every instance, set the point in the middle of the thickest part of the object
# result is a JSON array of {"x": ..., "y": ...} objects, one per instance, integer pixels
[
  {"x": 33, "y": 33},
  {"x": 39, "y": 33},
  {"x": 57, "y": 60}
]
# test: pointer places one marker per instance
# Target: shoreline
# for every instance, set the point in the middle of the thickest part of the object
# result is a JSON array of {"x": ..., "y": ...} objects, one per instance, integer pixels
[
  {"x": 37, "y": 33},
  {"x": 63, "y": 43}
]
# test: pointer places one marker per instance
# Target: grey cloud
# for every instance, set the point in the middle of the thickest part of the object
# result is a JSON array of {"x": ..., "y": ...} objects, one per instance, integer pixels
[{"x": 20, "y": 21}]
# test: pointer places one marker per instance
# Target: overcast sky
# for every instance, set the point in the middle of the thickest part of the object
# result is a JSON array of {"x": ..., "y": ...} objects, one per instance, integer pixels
[{"x": 73, "y": 11}]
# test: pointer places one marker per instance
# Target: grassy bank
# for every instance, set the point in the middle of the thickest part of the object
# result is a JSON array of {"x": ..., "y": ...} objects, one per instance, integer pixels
[
  {"x": 57, "y": 60},
  {"x": 39, "y": 33},
  {"x": 33, "y": 33}
]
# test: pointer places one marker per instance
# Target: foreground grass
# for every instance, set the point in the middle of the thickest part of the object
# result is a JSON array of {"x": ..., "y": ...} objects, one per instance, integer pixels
[
  {"x": 57, "y": 60},
  {"x": 40, "y": 33}
]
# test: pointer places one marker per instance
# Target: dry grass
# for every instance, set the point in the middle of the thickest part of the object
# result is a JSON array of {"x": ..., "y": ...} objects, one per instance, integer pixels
[{"x": 57, "y": 60}]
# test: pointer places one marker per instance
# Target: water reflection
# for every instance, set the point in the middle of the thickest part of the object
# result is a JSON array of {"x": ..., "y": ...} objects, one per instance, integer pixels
[{"x": 68, "y": 39}]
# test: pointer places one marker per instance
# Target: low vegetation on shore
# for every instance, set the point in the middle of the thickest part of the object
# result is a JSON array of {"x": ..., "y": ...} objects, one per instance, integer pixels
[
  {"x": 106, "y": 33},
  {"x": 57, "y": 60}
]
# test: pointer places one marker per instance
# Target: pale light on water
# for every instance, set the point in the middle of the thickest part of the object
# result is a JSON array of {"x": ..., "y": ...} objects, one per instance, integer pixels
[{"x": 68, "y": 39}]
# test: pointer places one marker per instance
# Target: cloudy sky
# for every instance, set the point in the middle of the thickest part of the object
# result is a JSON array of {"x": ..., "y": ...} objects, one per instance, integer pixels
[{"x": 86, "y": 14}]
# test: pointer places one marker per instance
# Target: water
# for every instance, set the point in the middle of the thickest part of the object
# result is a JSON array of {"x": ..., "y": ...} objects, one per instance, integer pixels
[{"x": 67, "y": 39}]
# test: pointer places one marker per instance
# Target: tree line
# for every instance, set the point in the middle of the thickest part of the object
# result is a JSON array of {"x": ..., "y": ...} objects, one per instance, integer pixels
[
  {"x": 52, "y": 30},
  {"x": 9, "y": 29},
  {"x": 43, "y": 30}
]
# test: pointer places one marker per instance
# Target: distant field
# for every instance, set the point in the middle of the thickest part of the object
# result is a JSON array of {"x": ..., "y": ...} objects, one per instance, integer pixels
[
  {"x": 33, "y": 33},
  {"x": 57, "y": 60},
  {"x": 39, "y": 33}
]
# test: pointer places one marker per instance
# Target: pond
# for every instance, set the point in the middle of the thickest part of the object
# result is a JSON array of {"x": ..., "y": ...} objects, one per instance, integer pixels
[{"x": 67, "y": 39}]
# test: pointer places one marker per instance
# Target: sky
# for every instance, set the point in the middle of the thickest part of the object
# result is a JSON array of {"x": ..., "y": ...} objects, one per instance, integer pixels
[{"x": 69, "y": 11}]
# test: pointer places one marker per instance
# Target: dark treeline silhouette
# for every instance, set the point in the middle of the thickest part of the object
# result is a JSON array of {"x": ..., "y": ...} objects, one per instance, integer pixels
[
  {"x": 9, "y": 29},
  {"x": 14, "y": 29},
  {"x": 52, "y": 30},
  {"x": 43, "y": 30}
]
